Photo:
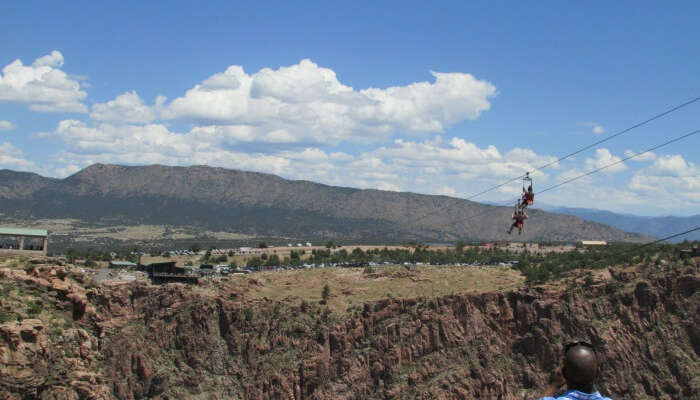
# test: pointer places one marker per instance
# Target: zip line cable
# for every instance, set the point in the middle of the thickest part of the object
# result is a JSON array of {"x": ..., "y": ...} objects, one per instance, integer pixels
[
  {"x": 655, "y": 117},
  {"x": 666, "y": 143},
  {"x": 668, "y": 237},
  {"x": 620, "y": 161},
  {"x": 640, "y": 246}
]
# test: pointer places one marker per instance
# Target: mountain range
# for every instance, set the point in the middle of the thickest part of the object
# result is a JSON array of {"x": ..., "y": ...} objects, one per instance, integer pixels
[
  {"x": 267, "y": 205},
  {"x": 653, "y": 226}
]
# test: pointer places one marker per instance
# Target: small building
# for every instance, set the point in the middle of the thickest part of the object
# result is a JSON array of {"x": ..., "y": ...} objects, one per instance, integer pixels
[
  {"x": 23, "y": 241},
  {"x": 593, "y": 243},
  {"x": 122, "y": 264},
  {"x": 168, "y": 271}
]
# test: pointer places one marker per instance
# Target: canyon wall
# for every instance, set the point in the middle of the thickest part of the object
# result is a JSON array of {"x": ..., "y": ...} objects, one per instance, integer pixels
[{"x": 135, "y": 340}]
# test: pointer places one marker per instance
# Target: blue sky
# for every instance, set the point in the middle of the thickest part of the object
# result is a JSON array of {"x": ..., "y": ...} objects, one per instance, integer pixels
[{"x": 343, "y": 93}]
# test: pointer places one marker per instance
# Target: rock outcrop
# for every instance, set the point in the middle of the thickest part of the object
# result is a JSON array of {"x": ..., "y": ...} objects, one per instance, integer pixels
[
  {"x": 134, "y": 340},
  {"x": 41, "y": 361}
]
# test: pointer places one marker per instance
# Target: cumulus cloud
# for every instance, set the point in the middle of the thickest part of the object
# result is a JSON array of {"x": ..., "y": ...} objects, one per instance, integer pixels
[
  {"x": 673, "y": 165},
  {"x": 602, "y": 159},
  {"x": 85, "y": 144},
  {"x": 55, "y": 59},
  {"x": 581, "y": 194},
  {"x": 6, "y": 125},
  {"x": 669, "y": 179},
  {"x": 42, "y": 86},
  {"x": 450, "y": 166},
  {"x": 446, "y": 191},
  {"x": 648, "y": 156},
  {"x": 127, "y": 108},
  {"x": 574, "y": 175},
  {"x": 461, "y": 160},
  {"x": 430, "y": 166},
  {"x": 13, "y": 158},
  {"x": 596, "y": 128},
  {"x": 305, "y": 103}
]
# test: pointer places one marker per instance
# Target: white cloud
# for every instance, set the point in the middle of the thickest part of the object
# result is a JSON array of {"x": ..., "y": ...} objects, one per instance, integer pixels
[
  {"x": 603, "y": 158},
  {"x": 670, "y": 179},
  {"x": 6, "y": 125},
  {"x": 437, "y": 163},
  {"x": 67, "y": 170},
  {"x": 126, "y": 108},
  {"x": 42, "y": 86},
  {"x": 447, "y": 191},
  {"x": 585, "y": 195},
  {"x": 12, "y": 157},
  {"x": 154, "y": 141},
  {"x": 55, "y": 59},
  {"x": 381, "y": 185},
  {"x": 305, "y": 103},
  {"x": 648, "y": 156},
  {"x": 461, "y": 159},
  {"x": 153, "y": 144},
  {"x": 573, "y": 173},
  {"x": 450, "y": 166},
  {"x": 674, "y": 165},
  {"x": 596, "y": 128}
]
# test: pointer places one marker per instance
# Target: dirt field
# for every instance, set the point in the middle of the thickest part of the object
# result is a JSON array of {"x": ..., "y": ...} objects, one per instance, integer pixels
[
  {"x": 351, "y": 286},
  {"x": 85, "y": 233}
]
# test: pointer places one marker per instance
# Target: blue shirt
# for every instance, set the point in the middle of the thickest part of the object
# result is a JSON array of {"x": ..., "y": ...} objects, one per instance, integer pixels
[{"x": 576, "y": 395}]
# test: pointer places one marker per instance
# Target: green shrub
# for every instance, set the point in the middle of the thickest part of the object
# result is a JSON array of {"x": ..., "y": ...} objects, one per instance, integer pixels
[
  {"x": 248, "y": 314},
  {"x": 34, "y": 308},
  {"x": 326, "y": 293},
  {"x": 6, "y": 316}
]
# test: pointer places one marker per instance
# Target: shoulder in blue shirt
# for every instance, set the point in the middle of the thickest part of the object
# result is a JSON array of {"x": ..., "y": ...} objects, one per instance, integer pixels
[{"x": 576, "y": 395}]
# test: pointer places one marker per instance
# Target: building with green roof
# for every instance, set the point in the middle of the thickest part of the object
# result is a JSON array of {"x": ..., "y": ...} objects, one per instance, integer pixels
[{"x": 23, "y": 241}]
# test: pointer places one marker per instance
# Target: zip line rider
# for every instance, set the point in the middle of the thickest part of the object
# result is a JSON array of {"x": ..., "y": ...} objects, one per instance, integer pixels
[
  {"x": 528, "y": 196},
  {"x": 519, "y": 216}
]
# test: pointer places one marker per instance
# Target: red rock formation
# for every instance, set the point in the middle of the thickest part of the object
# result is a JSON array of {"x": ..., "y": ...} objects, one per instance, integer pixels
[{"x": 174, "y": 341}]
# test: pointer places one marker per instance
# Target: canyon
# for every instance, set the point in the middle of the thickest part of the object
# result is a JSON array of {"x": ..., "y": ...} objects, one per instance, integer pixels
[{"x": 136, "y": 340}]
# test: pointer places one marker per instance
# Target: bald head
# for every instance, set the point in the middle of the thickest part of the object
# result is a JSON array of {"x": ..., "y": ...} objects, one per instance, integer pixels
[{"x": 580, "y": 366}]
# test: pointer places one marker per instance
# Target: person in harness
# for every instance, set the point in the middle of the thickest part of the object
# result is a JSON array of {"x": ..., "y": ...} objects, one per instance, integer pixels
[
  {"x": 519, "y": 216},
  {"x": 528, "y": 197}
]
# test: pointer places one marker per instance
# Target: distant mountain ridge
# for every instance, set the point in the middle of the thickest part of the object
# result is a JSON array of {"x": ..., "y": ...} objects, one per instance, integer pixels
[
  {"x": 653, "y": 226},
  {"x": 267, "y": 205}
]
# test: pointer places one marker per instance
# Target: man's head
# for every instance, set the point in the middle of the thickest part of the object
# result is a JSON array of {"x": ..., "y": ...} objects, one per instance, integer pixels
[{"x": 580, "y": 365}]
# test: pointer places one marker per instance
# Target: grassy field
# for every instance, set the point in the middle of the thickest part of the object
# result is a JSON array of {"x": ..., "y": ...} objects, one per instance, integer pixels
[
  {"x": 84, "y": 232},
  {"x": 351, "y": 286}
]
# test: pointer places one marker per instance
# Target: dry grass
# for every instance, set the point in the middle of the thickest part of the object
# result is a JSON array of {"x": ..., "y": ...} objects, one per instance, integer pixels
[
  {"x": 85, "y": 233},
  {"x": 151, "y": 232},
  {"x": 350, "y": 286}
]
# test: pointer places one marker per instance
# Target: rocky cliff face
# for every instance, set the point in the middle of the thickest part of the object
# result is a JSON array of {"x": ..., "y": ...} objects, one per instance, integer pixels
[{"x": 132, "y": 341}]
